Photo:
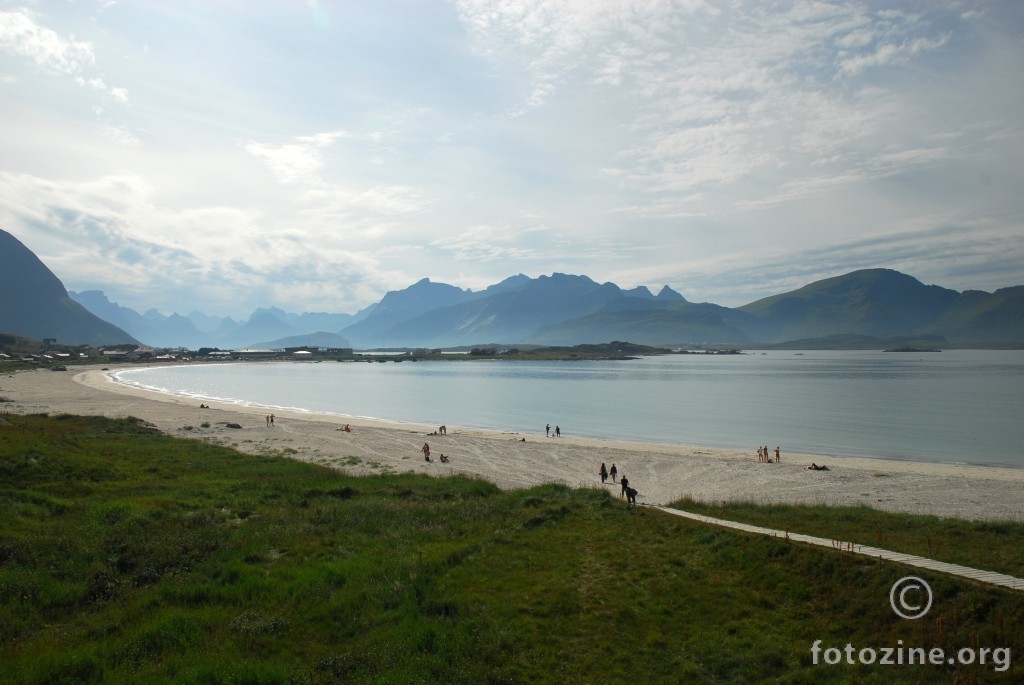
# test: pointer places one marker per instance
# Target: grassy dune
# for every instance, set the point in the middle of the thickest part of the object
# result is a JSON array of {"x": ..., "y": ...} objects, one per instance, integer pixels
[
  {"x": 988, "y": 545},
  {"x": 128, "y": 556}
]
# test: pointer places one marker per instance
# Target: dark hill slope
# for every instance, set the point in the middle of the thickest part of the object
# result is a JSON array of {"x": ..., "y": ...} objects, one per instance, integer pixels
[
  {"x": 35, "y": 304},
  {"x": 878, "y": 302},
  {"x": 647, "y": 323},
  {"x": 978, "y": 316}
]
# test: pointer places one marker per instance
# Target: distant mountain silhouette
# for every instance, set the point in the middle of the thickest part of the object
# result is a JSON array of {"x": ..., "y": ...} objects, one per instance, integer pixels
[
  {"x": 876, "y": 302},
  {"x": 399, "y": 306},
  {"x": 35, "y": 304},
  {"x": 880, "y": 304},
  {"x": 151, "y": 328},
  {"x": 511, "y": 311},
  {"x": 865, "y": 308},
  {"x": 199, "y": 330}
]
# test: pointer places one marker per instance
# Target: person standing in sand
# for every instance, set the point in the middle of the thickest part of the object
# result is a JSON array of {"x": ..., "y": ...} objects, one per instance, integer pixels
[
  {"x": 558, "y": 431},
  {"x": 547, "y": 430},
  {"x": 625, "y": 485},
  {"x": 603, "y": 473},
  {"x": 613, "y": 472},
  {"x": 777, "y": 455},
  {"x": 426, "y": 451}
]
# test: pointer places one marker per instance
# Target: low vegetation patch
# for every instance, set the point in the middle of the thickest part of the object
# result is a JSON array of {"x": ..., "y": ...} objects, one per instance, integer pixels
[
  {"x": 128, "y": 556},
  {"x": 988, "y": 545}
]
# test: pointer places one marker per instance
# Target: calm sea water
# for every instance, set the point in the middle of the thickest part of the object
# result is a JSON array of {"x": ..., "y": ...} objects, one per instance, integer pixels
[{"x": 952, "y": 406}]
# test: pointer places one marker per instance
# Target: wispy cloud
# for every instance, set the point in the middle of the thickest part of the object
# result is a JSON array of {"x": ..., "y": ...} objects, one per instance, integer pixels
[
  {"x": 23, "y": 36},
  {"x": 298, "y": 161},
  {"x": 889, "y": 53}
]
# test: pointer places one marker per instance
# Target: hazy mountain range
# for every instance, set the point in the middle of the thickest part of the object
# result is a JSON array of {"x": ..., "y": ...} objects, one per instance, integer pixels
[{"x": 864, "y": 308}]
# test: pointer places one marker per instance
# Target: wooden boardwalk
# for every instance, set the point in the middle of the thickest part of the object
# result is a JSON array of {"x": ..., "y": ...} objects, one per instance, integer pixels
[{"x": 989, "y": 577}]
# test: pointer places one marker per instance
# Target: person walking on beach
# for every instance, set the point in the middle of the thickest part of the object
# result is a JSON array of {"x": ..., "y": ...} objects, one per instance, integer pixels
[
  {"x": 760, "y": 453},
  {"x": 547, "y": 430},
  {"x": 631, "y": 496},
  {"x": 625, "y": 485},
  {"x": 271, "y": 419},
  {"x": 603, "y": 472},
  {"x": 777, "y": 454},
  {"x": 613, "y": 472},
  {"x": 558, "y": 432},
  {"x": 426, "y": 451}
]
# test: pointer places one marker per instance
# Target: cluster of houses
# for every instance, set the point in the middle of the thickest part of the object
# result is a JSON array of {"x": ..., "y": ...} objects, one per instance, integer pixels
[{"x": 147, "y": 354}]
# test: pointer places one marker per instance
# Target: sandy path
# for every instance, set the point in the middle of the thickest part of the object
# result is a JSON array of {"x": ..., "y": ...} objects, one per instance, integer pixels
[{"x": 661, "y": 473}]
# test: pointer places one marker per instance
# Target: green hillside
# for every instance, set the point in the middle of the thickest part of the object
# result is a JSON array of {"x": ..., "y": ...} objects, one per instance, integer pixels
[
  {"x": 984, "y": 317},
  {"x": 666, "y": 324},
  {"x": 877, "y": 302},
  {"x": 127, "y": 556}
]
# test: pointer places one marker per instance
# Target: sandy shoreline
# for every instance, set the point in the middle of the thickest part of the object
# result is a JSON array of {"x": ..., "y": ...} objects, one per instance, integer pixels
[{"x": 661, "y": 473}]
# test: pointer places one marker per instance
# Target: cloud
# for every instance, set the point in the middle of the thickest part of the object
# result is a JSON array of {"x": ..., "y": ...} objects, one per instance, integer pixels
[
  {"x": 491, "y": 244},
  {"x": 721, "y": 148},
  {"x": 22, "y": 36},
  {"x": 299, "y": 161},
  {"x": 113, "y": 234},
  {"x": 357, "y": 209},
  {"x": 722, "y": 97},
  {"x": 290, "y": 163},
  {"x": 890, "y": 53}
]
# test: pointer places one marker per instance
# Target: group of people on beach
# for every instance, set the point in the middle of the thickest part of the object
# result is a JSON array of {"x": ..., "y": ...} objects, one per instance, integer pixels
[
  {"x": 765, "y": 455},
  {"x": 270, "y": 419},
  {"x": 628, "y": 492},
  {"x": 426, "y": 453}
]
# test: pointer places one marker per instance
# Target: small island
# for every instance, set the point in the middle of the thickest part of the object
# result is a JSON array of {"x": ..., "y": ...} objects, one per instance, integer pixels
[{"x": 908, "y": 348}]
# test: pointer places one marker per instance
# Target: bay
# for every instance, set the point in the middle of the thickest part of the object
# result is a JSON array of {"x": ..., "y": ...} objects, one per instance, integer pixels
[{"x": 953, "y": 406}]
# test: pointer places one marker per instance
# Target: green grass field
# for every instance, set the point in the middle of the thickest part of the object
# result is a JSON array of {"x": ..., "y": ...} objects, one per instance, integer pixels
[
  {"x": 989, "y": 545},
  {"x": 127, "y": 556}
]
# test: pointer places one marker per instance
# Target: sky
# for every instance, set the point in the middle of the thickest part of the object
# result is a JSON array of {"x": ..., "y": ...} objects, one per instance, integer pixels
[{"x": 221, "y": 155}]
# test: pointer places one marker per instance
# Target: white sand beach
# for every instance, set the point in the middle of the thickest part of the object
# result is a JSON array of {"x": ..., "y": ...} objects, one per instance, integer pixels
[{"x": 661, "y": 473}]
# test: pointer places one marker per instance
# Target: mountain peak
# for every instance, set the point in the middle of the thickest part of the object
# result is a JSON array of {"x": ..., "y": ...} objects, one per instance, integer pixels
[{"x": 666, "y": 294}]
